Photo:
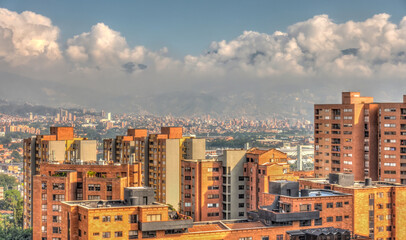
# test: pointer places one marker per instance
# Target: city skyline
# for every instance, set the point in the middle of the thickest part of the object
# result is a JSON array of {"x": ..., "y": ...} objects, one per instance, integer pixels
[{"x": 262, "y": 65}]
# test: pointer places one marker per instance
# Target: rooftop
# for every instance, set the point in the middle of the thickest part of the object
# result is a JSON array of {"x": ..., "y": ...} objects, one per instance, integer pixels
[
  {"x": 356, "y": 185},
  {"x": 92, "y": 204}
]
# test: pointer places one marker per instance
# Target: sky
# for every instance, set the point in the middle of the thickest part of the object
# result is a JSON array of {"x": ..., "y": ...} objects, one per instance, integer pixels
[{"x": 219, "y": 55}]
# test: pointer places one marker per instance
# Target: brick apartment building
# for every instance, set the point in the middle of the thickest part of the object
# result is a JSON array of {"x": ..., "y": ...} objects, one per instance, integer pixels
[
  {"x": 379, "y": 208},
  {"x": 261, "y": 167},
  {"x": 65, "y": 178},
  {"x": 137, "y": 217},
  {"x": 361, "y": 137},
  {"x": 156, "y": 152}
]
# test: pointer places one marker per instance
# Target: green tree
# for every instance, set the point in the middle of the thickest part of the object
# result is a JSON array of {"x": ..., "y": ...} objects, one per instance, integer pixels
[
  {"x": 7, "y": 181},
  {"x": 16, "y": 156}
]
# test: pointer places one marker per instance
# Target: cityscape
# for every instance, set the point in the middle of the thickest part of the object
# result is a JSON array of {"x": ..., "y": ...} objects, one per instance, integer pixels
[{"x": 232, "y": 120}]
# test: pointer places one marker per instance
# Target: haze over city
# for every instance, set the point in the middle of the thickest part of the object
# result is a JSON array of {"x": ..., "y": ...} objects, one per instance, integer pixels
[{"x": 184, "y": 58}]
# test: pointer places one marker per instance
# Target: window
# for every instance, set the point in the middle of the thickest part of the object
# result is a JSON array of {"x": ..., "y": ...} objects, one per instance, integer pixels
[
  {"x": 44, "y": 196},
  {"x": 213, "y": 214},
  {"x": 109, "y": 187},
  {"x": 212, "y": 196},
  {"x": 305, "y": 207},
  {"x": 93, "y": 197},
  {"x": 188, "y": 204},
  {"x": 213, "y": 178},
  {"x": 329, "y": 219},
  {"x": 212, "y": 169},
  {"x": 240, "y": 187},
  {"x": 188, "y": 187},
  {"x": 149, "y": 234},
  {"x": 318, "y": 206},
  {"x": 187, "y": 195},
  {"x": 56, "y": 230},
  {"x": 339, "y": 204},
  {"x": 188, "y": 178},
  {"x": 58, "y": 197},
  {"x": 56, "y": 219},
  {"x": 97, "y": 187},
  {"x": 43, "y": 229},
  {"x": 330, "y": 205},
  {"x": 214, "y": 187},
  {"x": 106, "y": 234},
  {"x": 106, "y": 219},
  {"x": 188, "y": 169},
  {"x": 153, "y": 217},
  {"x": 96, "y": 234},
  {"x": 133, "y": 218},
  {"x": 392, "y": 125},
  {"x": 56, "y": 208},
  {"x": 278, "y": 237},
  {"x": 389, "y": 110},
  {"x": 96, "y": 218},
  {"x": 318, "y": 222},
  {"x": 212, "y": 205},
  {"x": 118, "y": 234},
  {"x": 245, "y": 238},
  {"x": 241, "y": 196},
  {"x": 267, "y": 237},
  {"x": 241, "y": 178},
  {"x": 133, "y": 234},
  {"x": 118, "y": 218},
  {"x": 58, "y": 186},
  {"x": 240, "y": 205},
  {"x": 44, "y": 207},
  {"x": 90, "y": 187},
  {"x": 339, "y": 218},
  {"x": 44, "y": 218},
  {"x": 241, "y": 214},
  {"x": 304, "y": 223}
]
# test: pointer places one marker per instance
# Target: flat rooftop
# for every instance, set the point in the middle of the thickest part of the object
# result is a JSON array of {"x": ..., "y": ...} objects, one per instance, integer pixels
[
  {"x": 103, "y": 204},
  {"x": 356, "y": 185}
]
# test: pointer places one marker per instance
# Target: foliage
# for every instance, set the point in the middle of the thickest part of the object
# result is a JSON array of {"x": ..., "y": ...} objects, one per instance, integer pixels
[
  {"x": 17, "y": 157},
  {"x": 14, "y": 233},
  {"x": 15, "y": 146},
  {"x": 7, "y": 181},
  {"x": 91, "y": 173},
  {"x": 13, "y": 202}
]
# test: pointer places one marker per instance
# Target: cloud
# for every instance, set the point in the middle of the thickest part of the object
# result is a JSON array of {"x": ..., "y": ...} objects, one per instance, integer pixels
[
  {"x": 317, "y": 55},
  {"x": 27, "y": 36}
]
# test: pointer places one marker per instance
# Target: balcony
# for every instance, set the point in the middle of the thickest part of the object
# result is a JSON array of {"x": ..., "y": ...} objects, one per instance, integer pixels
[{"x": 288, "y": 217}]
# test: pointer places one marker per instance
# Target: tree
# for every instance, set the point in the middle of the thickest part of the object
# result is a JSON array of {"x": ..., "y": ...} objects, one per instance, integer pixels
[
  {"x": 7, "y": 182},
  {"x": 16, "y": 156}
]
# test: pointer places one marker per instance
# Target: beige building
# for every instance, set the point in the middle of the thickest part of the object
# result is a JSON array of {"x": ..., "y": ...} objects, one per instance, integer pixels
[{"x": 233, "y": 184}]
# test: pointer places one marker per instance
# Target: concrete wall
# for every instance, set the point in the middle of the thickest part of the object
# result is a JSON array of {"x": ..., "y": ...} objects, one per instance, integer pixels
[
  {"x": 87, "y": 150},
  {"x": 195, "y": 148},
  {"x": 56, "y": 151},
  {"x": 172, "y": 181}
]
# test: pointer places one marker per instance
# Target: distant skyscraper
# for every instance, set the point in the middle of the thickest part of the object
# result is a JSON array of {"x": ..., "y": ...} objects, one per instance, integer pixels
[{"x": 109, "y": 116}]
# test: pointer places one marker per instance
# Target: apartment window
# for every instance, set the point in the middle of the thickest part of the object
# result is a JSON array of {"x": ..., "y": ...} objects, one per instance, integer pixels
[
  {"x": 188, "y": 204},
  {"x": 43, "y": 229},
  {"x": 304, "y": 223},
  {"x": 318, "y": 222},
  {"x": 44, "y": 218},
  {"x": 133, "y": 234},
  {"x": 245, "y": 238},
  {"x": 339, "y": 218},
  {"x": 118, "y": 234},
  {"x": 96, "y": 234},
  {"x": 389, "y": 110},
  {"x": 329, "y": 219},
  {"x": 241, "y": 178},
  {"x": 187, "y": 195},
  {"x": 56, "y": 230},
  {"x": 188, "y": 178},
  {"x": 241, "y": 214},
  {"x": 240, "y": 187},
  {"x": 79, "y": 232},
  {"x": 149, "y": 234},
  {"x": 56, "y": 219},
  {"x": 56, "y": 208},
  {"x": 44, "y": 196},
  {"x": 188, "y": 187},
  {"x": 330, "y": 205},
  {"x": 212, "y": 205},
  {"x": 133, "y": 218},
  {"x": 109, "y": 187},
  {"x": 90, "y": 187},
  {"x": 240, "y": 205},
  {"x": 391, "y": 125},
  {"x": 212, "y": 169},
  {"x": 188, "y": 169},
  {"x": 106, "y": 219},
  {"x": 267, "y": 237},
  {"x": 97, "y": 187},
  {"x": 389, "y": 133},
  {"x": 241, "y": 196},
  {"x": 58, "y": 186},
  {"x": 106, "y": 235},
  {"x": 388, "y": 164},
  {"x": 214, "y": 187},
  {"x": 93, "y": 197},
  {"x": 347, "y": 109},
  {"x": 96, "y": 218},
  {"x": 318, "y": 206},
  {"x": 213, "y": 214},
  {"x": 58, "y": 197},
  {"x": 305, "y": 207},
  {"x": 118, "y": 218},
  {"x": 153, "y": 217},
  {"x": 278, "y": 237},
  {"x": 213, "y": 178},
  {"x": 339, "y": 204},
  {"x": 44, "y": 207},
  {"x": 380, "y": 229},
  {"x": 389, "y": 140},
  {"x": 213, "y": 196}
]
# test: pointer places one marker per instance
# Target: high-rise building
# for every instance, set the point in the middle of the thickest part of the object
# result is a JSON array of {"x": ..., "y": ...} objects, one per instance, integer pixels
[
  {"x": 201, "y": 189},
  {"x": 60, "y": 167},
  {"x": 261, "y": 167}
]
